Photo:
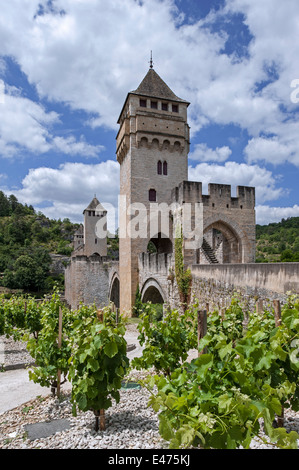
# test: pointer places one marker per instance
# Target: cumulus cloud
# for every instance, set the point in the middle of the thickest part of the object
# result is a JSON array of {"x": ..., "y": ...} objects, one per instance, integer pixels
[
  {"x": 87, "y": 54},
  {"x": 67, "y": 190},
  {"x": 238, "y": 174},
  {"x": 71, "y": 53},
  {"x": 266, "y": 214},
  {"x": 203, "y": 153},
  {"x": 25, "y": 124}
]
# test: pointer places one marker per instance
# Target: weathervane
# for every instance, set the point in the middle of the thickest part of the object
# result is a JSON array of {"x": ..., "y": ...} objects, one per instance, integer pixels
[{"x": 151, "y": 61}]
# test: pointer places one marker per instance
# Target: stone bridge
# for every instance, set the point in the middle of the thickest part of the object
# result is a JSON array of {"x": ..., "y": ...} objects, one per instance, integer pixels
[{"x": 156, "y": 279}]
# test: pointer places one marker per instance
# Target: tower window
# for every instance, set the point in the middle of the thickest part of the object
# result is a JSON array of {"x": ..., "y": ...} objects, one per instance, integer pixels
[
  {"x": 164, "y": 168},
  {"x": 164, "y": 106},
  {"x": 152, "y": 195},
  {"x": 159, "y": 167},
  {"x": 154, "y": 104},
  {"x": 175, "y": 108},
  {"x": 96, "y": 241},
  {"x": 142, "y": 103}
]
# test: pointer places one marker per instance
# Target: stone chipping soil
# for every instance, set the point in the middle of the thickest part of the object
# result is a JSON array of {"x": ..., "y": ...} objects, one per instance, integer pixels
[{"x": 130, "y": 424}]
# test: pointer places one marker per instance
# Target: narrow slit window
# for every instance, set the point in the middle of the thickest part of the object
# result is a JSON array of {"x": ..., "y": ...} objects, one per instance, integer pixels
[
  {"x": 152, "y": 195},
  {"x": 164, "y": 168},
  {"x": 159, "y": 167}
]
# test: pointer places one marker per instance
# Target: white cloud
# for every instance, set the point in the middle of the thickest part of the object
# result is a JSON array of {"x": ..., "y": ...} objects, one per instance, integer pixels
[
  {"x": 67, "y": 190},
  {"x": 96, "y": 52},
  {"x": 268, "y": 150},
  {"x": 25, "y": 124},
  {"x": 266, "y": 214},
  {"x": 90, "y": 56},
  {"x": 238, "y": 174},
  {"x": 203, "y": 153}
]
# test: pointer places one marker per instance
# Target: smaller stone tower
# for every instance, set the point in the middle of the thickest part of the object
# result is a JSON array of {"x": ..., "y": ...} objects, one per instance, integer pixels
[{"x": 95, "y": 229}]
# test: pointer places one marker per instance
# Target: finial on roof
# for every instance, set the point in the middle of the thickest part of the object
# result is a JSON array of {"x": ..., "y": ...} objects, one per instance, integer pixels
[{"x": 151, "y": 61}]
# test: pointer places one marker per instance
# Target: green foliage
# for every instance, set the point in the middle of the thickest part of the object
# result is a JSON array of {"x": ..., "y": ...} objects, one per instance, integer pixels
[
  {"x": 98, "y": 362},
  {"x": 278, "y": 242},
  {"x": 48, "y": 356},
  {"x": 183, "y": 276},
  {"x": 138, "y": 306},
  {"x": 19, "y": 316},
  {"x": 221, "y": 399},
  {"x": 26, "y": 241},
  {"x": 166, "y": 342}
]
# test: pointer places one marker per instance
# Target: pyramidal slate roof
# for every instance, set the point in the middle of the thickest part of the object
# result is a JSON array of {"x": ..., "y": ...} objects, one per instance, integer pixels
[
  {"x": 95, "y": 205},
  {"x": 153, "y": 86}
]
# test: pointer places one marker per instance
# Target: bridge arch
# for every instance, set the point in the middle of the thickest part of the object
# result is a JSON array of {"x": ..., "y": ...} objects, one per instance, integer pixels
[
  {"x": 114, "y": 290},
  {"x": 233, "y": 239},
  {"x": 151, "y": 291},
  {"x": 160, "y": 243}
]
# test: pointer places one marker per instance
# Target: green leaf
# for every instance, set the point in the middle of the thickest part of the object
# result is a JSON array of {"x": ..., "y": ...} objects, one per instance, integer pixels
[
  {"x": 224, "y": 402},
  {"x": 165, "y": 428},
  {"x": 227, "y": 349},
  {"x": 111, "y": 349},
  {"x": 82, "y": 402}
]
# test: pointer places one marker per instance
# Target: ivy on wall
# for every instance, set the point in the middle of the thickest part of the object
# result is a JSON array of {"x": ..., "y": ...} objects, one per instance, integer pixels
[{"x": 183, "y": 276}]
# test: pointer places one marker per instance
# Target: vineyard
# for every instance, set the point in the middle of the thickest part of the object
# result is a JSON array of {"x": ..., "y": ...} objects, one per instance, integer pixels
[{"x": 243, "y": 380}]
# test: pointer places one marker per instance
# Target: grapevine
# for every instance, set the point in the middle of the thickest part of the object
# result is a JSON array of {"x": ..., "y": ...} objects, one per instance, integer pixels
[
  {"x": 98, "y": 362},
  {"x": 50, "y": 357},
  {"x": 223, "y": 398},
  {"x": 167, "y": 342}
]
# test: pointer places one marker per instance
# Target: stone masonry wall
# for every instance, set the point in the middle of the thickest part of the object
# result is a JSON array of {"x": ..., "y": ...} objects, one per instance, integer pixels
[
  {"x": 87, "y": 281},
  {"x": 216, "y": 285},
  {"x": 160, "y": 268}
]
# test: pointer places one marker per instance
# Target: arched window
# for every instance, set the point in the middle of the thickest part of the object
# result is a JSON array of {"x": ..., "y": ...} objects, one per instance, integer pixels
[
  {"x": 159, "y": 167},
  {"x": 164, "y": 168},
  {"x": 152, "y": 195}
]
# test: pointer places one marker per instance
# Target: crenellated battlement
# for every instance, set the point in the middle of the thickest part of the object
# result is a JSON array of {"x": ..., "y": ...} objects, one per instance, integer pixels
[
  {"x": 155, "y": 262},
  {"x": 219, "y": 195}
]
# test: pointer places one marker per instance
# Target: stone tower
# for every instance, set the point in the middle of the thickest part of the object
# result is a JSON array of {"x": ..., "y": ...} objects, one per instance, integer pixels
[
  {"x": 95, "y": 219},
  {"x": 152, "y": 150}
]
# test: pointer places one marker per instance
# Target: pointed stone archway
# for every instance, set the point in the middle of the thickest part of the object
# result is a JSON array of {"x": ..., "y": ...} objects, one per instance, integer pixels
[
  {"x": 151, "y": 291},
  {"x": 226, "y": 239},
  {"x": 114, "y": 290}
]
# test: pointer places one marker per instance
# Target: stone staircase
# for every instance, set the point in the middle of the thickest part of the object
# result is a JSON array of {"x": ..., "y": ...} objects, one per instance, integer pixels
[{"x": 209, "y": 252}]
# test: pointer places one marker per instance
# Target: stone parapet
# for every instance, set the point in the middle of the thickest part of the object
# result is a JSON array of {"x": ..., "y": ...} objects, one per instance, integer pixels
[{"x": 258, "y": 278}]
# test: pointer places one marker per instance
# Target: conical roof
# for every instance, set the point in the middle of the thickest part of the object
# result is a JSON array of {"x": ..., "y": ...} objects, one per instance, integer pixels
[
  {"x": 95, "y": 205},
  {"x": 153, "y": 86}
]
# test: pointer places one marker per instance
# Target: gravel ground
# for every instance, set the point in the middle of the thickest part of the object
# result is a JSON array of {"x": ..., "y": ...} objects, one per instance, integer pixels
[{"x": 130, "y": 424}]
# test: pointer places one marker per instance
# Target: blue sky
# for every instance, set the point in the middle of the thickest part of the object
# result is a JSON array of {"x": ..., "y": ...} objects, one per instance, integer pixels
[{"x": 66, "y": 67}]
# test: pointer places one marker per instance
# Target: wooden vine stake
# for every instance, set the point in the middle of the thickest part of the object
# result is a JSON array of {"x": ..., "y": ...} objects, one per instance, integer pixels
[
  {"x": 277, "y": 317},
  {"x": 100, "y": 420},
  {"x": 201, "y": 327},
  {"x": 259, "y": 306},
  {"x": 59, "y": 346}
]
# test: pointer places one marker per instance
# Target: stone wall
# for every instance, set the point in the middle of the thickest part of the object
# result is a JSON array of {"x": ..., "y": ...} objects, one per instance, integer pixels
[
  {"x": 158, "y": 270},
  {"x": 217, "y": 284},
  {"x": 87, "y": 281},
  {"x": 234, "y": 217}
]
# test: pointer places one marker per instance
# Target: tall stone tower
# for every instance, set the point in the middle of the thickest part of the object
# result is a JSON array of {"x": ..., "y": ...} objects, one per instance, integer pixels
[
  {"x": 95, "y": 226},
  {"x": 152, "y": 150}
]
